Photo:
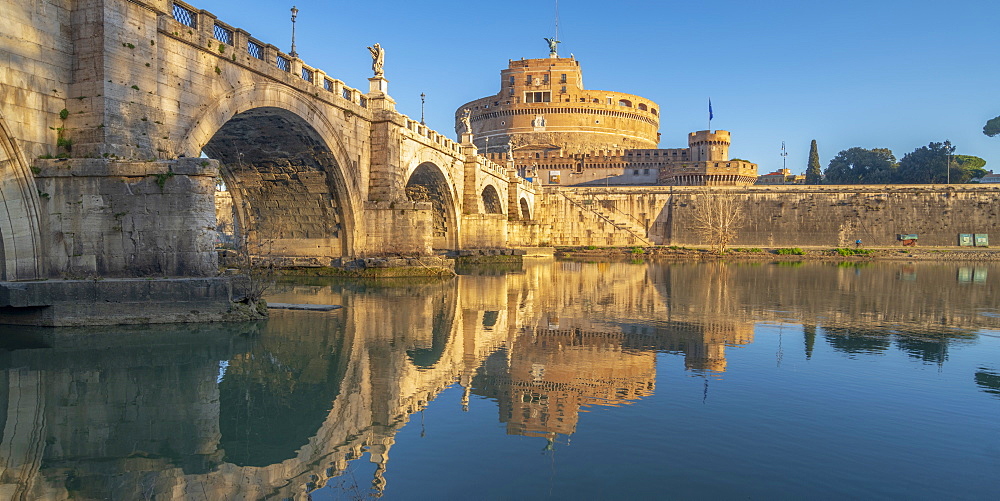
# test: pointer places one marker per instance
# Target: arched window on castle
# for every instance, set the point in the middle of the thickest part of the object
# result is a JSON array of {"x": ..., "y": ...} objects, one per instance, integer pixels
[
  {"x": 625, "y": 102},
  {"x": 642, "y": 106},
  {"x": 653, "y": 111}
]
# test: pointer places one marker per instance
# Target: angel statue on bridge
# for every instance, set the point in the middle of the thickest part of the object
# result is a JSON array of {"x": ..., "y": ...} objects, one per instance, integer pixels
[
  {"x": 378, "y": 59},
  {"x": 466, "y": 120}
]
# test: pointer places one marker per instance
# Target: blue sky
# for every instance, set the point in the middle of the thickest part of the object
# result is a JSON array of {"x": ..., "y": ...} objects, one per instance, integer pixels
[{"x": 878, "y": 73}]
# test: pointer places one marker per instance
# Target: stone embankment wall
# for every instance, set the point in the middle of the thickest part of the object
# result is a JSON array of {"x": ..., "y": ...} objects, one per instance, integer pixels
[{"x": 777, "y": 216}]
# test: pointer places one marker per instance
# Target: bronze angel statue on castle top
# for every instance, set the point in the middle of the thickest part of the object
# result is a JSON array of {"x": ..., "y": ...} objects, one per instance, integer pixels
[{"x": 553, "y": 46}]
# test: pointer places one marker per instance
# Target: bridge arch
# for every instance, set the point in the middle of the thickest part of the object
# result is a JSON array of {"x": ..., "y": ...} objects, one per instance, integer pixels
[
  {"x": 289, "y": 173},
  {"x": 20, "y": 257},
  {"x": 428, "y": 182},
  {"x": 525, "y": 209},
  {"x": 492, "y": 203}
]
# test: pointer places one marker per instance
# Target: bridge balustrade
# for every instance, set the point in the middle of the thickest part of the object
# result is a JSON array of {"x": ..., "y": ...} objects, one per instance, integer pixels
[{"x": 208, "y": 26}]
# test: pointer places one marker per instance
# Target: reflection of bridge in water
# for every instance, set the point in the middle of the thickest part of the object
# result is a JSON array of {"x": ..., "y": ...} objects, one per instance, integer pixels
[{"x": 125, "y": 414}]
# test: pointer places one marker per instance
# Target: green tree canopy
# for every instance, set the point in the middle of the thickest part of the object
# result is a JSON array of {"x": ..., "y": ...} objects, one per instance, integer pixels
[
  {"x": 928, "y": 165},
  {"x": 814, "y": 173},
  {"x": 970, "y": 166},
  {"x": 992, "y": 127},
  {"x": 861, "y": 166}
]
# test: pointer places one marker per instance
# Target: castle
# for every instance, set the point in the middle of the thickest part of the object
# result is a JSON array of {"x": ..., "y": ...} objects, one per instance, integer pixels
[{"x": 556, "y": 131}]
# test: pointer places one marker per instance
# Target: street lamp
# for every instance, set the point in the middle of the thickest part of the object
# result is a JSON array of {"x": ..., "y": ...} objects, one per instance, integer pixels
[
  {"x": 422, "y": 100},
  {"x": 949, "y": 166},
  {"x": 295, "y": 12}
]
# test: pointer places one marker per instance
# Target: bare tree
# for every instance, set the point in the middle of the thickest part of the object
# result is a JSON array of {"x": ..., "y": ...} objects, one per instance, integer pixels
[
  {"x": 253, "y": 259},
  {"x": 717, "y": 217}
]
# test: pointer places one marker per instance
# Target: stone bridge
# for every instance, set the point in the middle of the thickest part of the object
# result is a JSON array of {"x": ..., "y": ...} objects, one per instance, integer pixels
[{"x": 117, "y": 117}]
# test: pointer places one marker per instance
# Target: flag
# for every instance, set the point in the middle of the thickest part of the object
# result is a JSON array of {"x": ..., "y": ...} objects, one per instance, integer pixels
[{"x": 710, "y": 115}]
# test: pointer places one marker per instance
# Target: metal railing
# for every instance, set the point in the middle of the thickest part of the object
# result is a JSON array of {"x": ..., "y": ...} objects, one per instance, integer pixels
[
  {"x": 283, "y": 63},
  {"x": 613, "y": 207},
  {"x": 307, "y": 75},
  {"x": 255, "y": 49},
  {"x": 185, "y": 16},
  {"x": 614, "y": 224},
  {"x": 223, "y": 34}
]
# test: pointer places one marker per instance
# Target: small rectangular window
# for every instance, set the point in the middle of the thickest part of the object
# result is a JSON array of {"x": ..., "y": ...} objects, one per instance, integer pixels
[
  {"x": 511, "y": 80},
  {"x": 635, "y": 172},
  {"x": 527, "y": 80},
  {"x": 645, "y": 172}
]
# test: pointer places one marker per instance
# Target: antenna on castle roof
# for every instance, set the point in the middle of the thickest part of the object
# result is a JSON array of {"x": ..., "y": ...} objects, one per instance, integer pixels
[{"x": 554, "y": 41}]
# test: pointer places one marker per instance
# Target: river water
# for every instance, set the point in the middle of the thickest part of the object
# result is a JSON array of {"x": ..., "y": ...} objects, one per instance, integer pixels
[{"x": 556, "y": 380}]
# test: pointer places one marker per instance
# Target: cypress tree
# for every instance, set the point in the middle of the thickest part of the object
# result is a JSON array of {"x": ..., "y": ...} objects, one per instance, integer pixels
[{"x": 814, "y": 175}]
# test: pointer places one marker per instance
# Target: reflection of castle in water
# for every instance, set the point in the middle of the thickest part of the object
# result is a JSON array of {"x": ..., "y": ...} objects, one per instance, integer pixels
[
  {"x": 278, "y": 410},
  {"x": 543, "y": 379}
]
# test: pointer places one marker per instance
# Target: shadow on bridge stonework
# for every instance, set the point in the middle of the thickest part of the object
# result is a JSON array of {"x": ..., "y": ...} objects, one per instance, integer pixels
[{"x": 286, "y": 184}]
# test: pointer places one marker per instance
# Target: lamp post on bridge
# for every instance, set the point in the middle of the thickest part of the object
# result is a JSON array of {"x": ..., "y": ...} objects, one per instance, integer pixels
[
  {"x": 947, "y": 146},
  {"x": 295, "y": 13},
  {"x": 422, "y": 100}
]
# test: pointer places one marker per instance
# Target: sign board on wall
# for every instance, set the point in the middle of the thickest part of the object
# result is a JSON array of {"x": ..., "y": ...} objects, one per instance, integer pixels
[{"x": 982, "y": 240}]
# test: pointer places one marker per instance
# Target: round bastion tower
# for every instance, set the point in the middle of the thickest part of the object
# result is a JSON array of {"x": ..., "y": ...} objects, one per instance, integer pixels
[
  {"x": 542, "y": 105},
  {"x": 708, "y": 146}
]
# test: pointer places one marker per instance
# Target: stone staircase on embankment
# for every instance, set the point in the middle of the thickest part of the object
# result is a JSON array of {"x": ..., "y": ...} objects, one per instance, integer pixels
[{"x": 603, "y": 225}]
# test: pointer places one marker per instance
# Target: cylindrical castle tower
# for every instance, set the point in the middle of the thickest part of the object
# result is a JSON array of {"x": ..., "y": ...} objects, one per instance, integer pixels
[
  {"x": 542, "y": 105},
  {"x": 708, "y": 146}
]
